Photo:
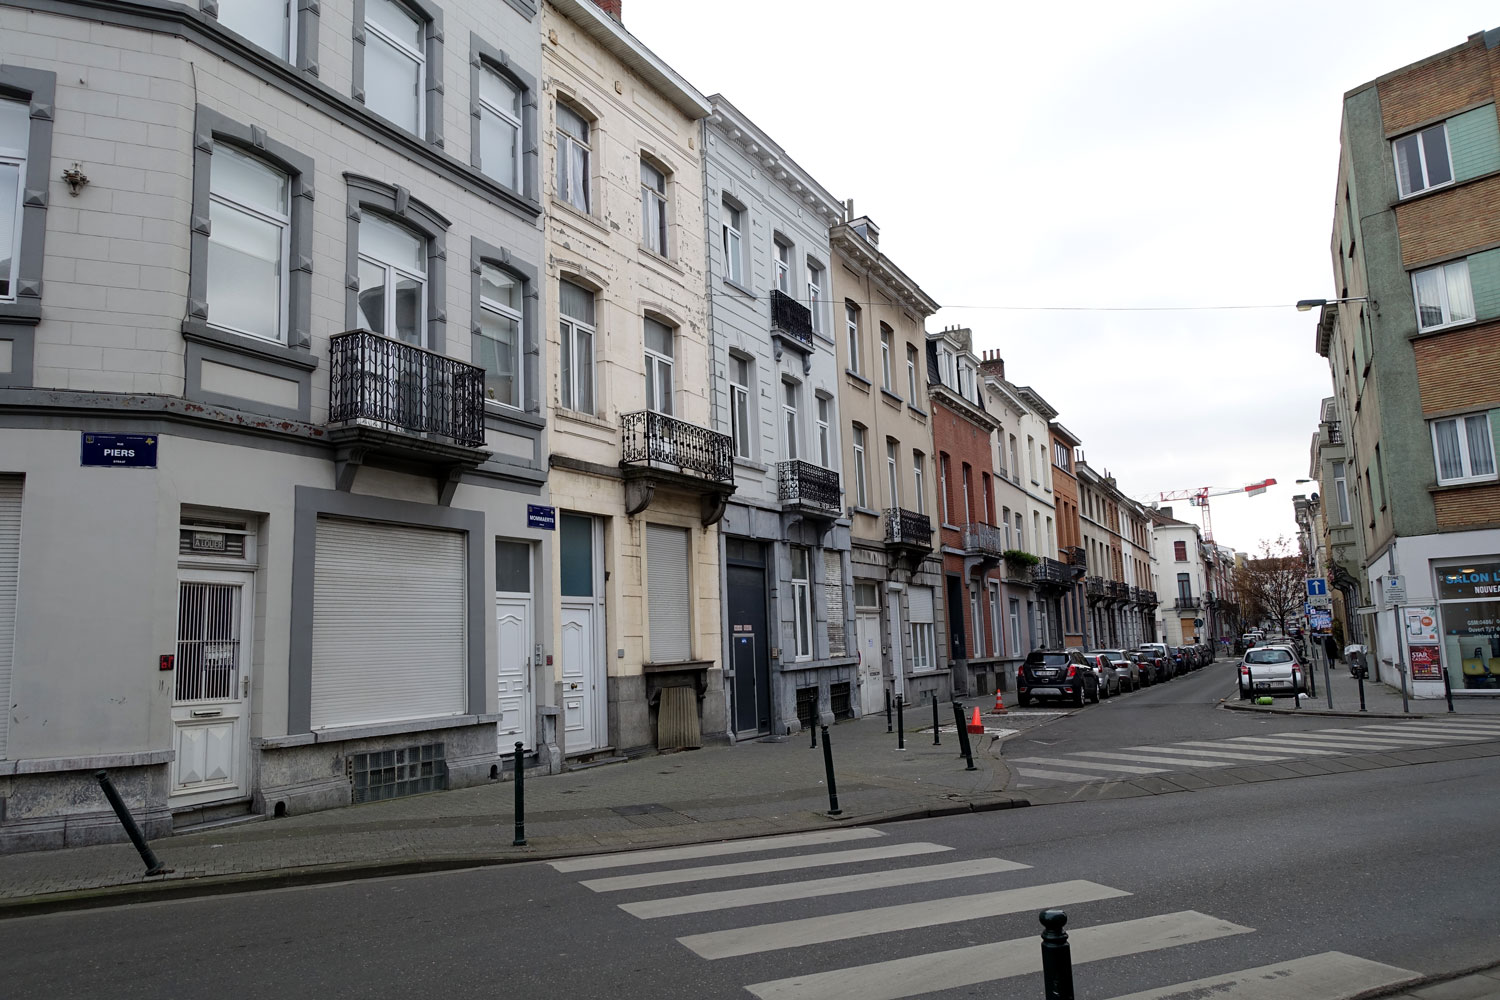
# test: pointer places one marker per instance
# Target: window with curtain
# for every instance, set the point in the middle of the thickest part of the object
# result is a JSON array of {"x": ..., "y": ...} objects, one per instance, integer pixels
[
  {"x": 1464, "y": 449},
  {"x": 248, "y": 246},
  {"x": 500, "y": 128},
  {"x": 801, "y": 603},
  {"x": 573, "y": 156},
  {"x": 15, "y": 140},
  {"x": 497, "y": 341},
  {"x": 392, "y": 280},
  {"x": 739, "y": 405},
  {"x": 653, "y": 208},
  {"x": 815, "y": 293},
  {"x": 660, "y": 353},
  {"x": 734, "y": 244},
  {"x": 1422, "y": 160},
  {"x": 1443, "y": 295},
  {"x": 576, "y": 323}
]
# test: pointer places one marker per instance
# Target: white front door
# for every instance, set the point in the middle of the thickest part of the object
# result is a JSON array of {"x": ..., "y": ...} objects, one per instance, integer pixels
[
  {"x": 578, "y": 673},
  {"x": 211, "y": 696},
  {"x": 871, "y": 687},
  {"x": 517, "y": 700}
]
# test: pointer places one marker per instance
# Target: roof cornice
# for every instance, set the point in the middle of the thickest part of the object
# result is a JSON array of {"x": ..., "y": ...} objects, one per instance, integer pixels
[
  {"x": 732, "y": 123},
  {"x": 863, "y": 253},
  {"x": 628, "y": 49}
]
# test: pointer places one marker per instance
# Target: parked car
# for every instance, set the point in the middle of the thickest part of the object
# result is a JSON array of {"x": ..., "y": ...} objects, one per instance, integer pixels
[
  {"x": 1125, "y": 668},
  {"x": 1104, "y": 670},
  {"x": 1153, "y": 661},
  {"x": 1056, "y": 674},
  {"x": 1271, "y": 669},
  {"x": 1208, "y": 652}
]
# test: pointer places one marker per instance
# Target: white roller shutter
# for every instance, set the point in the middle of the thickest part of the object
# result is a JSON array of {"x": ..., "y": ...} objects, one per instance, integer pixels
[
  {"x": 10, "y": 573},
  {"x": 919, "y": 604},
  {"x": 389, "y": 624},
  {"x": 667, "y": 588}
]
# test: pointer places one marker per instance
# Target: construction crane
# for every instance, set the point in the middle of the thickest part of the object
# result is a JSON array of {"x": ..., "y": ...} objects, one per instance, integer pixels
[{"x": 1199, "y": 498}]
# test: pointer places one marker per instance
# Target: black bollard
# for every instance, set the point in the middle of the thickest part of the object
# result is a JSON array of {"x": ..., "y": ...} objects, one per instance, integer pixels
[
  {"x": 1057, "y": 957},
  {"x": 965, "y": 749},
  {"x": 935, "y": 741},
  {"x": 900, "y": 723},
  {"x": 1361, "y": 679},
  {"x": 520, "y": 838},
  {"x": 153, "y": 863},
  {"x": 833, "y": 791},
  {"x": 1447, "y": 689},
  {"x": 814, "y": 744},
  {"x": 1250, "y": 683}
]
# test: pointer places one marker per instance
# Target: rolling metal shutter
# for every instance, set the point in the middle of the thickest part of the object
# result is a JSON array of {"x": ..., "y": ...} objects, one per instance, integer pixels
[
  {"x": 833, "y": 601},
  {"x": 667, "y": 573},
  {"x": 10, "y": 573},
  {"x": 389, "y": 624},
  {"x": 919, "y": 604}
]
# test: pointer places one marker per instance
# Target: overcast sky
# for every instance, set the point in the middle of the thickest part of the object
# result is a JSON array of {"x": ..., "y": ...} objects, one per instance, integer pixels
[{"x": 1092, "y": 155}]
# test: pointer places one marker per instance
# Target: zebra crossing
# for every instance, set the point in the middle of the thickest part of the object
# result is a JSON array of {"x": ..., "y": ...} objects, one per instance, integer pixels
[
  {"x": 1236, "y": 751},
  {"x": 969, "y": 890}
]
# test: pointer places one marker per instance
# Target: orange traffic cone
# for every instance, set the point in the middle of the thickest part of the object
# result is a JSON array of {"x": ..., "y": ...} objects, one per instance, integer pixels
[
  {"x": 975, "y": 726},
  {"x": 999, "y": 703}
]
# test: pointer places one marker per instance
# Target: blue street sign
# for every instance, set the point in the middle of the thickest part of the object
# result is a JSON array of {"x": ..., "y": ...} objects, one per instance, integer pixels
[
  {"x": 129, "y": 451},
  {"x": 1317, "y": 586},
  {"x": 538, "y": 516}
]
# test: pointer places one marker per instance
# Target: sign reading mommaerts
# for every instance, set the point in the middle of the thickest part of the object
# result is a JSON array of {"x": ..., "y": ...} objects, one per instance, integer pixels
[
  {"x": 539, "y": 516},
  {"x": 129, "y": 451}
]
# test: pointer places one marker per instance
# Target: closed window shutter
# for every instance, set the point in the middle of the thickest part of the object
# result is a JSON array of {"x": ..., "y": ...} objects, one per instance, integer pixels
[
  {"x": 919, "y": 604},
  {"x": 389, "y": 624},
  {"x": 833, "y": 600},
  {"x": 667, "y": 586},
  {"x": 10, "y": 572}
]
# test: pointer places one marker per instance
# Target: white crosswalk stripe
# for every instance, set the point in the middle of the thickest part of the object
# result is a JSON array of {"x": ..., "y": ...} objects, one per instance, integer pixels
[
  {"x": 718, "y": 849},
  {"x": 1162, "y": 758},
  {"x": 671, "y": 876},
  {"x": 1037, "y": 772},
  {"x": 1060, "y": 762},
  {"x": 1237, "y": 757}
]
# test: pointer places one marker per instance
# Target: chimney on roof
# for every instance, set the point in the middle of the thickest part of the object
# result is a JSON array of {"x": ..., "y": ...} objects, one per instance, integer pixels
[
  {"x": 1165, "y": 511},
  {"x": 611, "y": 7},
  {"x": 993, "y": 364}
]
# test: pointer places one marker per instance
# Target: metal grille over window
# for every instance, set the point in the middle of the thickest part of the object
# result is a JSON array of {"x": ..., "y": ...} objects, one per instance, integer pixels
[{"x": 208, "y": 641}]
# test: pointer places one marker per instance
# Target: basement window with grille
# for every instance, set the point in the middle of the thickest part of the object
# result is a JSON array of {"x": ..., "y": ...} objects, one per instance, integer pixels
[
  {"x": 390, "y": 774},
  {"x": 839, "y": 702},
  {"x": 807, "y": 706}
]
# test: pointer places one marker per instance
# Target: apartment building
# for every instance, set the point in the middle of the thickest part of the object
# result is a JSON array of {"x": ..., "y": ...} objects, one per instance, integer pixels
[
  {"x": 890, "y": 479},
  {"x": 1178, "y": 548},
  {"x": 1336, "y": 542},
  {"x": 1121, "y": 602},
  {"x": 1062, "y": 452},
  {"x": 1051, "y": 577},
  {"x": 1417, "y": 368},
  {"x": 640, "y": 478},
  {"x": 788, "y": 617},
  {"x": 273, "y": 507},
  {"x": 971, "y": 539}
]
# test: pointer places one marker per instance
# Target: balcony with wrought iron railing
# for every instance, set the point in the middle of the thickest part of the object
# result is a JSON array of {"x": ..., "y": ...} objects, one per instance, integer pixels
[
  {"x": 791, "y": 321},
  {"x": 808, "y": 488},
  {"x": 981, "y": 539},
  {"x": 907, "y": 532},
  {"x": 380, "y": 384},
  {"x": 1095, "y": 587},
  {"x": 1052, "y": 574},
  {"x": 1074, "y": 555},
  {"x": 1143, "y": 597},
  {"x": 1187, "y": 603},
  {"x": 1015, "y": 571},
  {"x": 660, "y": 450},
  {"x": 1119, "y": 590},
  {"x": 1335, "y": 431}
]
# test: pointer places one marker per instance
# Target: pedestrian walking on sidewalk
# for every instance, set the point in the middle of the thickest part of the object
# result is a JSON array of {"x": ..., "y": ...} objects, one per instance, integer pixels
[{"x": 1331, "y": 648}]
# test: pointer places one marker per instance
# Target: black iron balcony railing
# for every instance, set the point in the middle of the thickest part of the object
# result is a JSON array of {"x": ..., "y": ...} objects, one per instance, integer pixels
[
  {"x": 1335, "y": 432},
  {"x": 1187, "y": 603},
  {"x": 1119, "y": 591},
  {"x": 908, "y": 528},
  {"x": 1074, "y": 555},
  {"x": 983, "y": 539},
  {"x": 802, "y": 484},
  {"x": 1095, "y": 587},
  {"x": 1051, "y": 572},
  {"x": 651, "y": 438},
  {"x": 401, "y": 387},
  {"x": 792, "y": 318}
]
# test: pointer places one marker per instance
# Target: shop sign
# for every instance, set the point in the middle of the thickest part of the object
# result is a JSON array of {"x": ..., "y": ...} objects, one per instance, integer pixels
[
  {"x": 1470, "y": 580},
  {"x": 1425, "y": 665},
  {"x": 1421, "y": 626}
]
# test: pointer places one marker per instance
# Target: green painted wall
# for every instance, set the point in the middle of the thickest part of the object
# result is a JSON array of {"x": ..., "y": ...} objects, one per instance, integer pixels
[
  {"x": 1484, "y": 279},
  {"x": 1474, "y": 142}
]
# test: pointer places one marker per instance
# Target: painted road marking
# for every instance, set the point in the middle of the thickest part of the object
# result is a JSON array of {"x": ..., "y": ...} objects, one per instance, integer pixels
[
  {"x": 1329, "y": 976},
  {"x": 674, "y": 876},
  {"x": 628, "y": 858},
  {"x": 1087, "y": 765}
]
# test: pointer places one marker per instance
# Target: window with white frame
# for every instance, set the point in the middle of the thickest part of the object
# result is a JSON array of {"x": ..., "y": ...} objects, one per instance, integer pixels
[
  {"x": 893, "y": 477},
  {"x": 270, "y": 24},
  {"x": 997, "y": 646},
  {"x": 1020, "y": 531},
  {"x": 851, "y": 330},
  {"x": 500, "y": 128},
  {"x": 911, "y": 374},
  {"x": 574, "y": 158},
  {"x": 1005, "y": 523},
  {"x": 15, "y": 140},
  {"x": 659, "y": 356},
  {"x": 886, "y": 337},
  {"x": 1015, "y": 626},
  {"x": 739, "y": 404},
  {"x": 653, "y": 208},
  {"x": 497, "y": 339},
  {"x": 576, "y": 323},
  {"x": 861, "y": 494},
  {"x": 1422, "y": 160},
  {"x": 791, "y": 423},
  {"x": 734, "y": 243},
  {"x": 1031, "y": 457},
  {"x": 945, "y": 367},
  {"x": 815, "y": 293},
  {"x": 968, "y": 475},
  {"x": 1443, "y": 295},
  {"x": 249, "y": 244},
  {"x": 1341, "y": 491},
  {"x": 923, "y": 639},
  {"x": 943, "y": 488},
  {"x": 783, "y": 266},
  {"x": 918, "y": 463},
  {"x": 395, "y": 63},
  {"x": 392, "y": 280},
  {"x": 825, "y": 431},
  {"x": 801, "y": 603},
  {"x": 1015, "y": 462},
  {"x": 1464, "y": 449}
]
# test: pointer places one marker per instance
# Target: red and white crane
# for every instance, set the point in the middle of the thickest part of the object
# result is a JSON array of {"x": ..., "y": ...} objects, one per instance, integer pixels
[{"x": 1199, "y": 498}]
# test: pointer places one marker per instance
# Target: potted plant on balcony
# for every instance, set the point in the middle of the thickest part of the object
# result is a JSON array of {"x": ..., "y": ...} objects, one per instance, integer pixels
[{"x": 1019, "y": 557}]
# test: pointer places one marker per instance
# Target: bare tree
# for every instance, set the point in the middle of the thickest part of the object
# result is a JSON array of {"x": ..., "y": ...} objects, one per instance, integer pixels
[{"x": 1271, "y": 586}]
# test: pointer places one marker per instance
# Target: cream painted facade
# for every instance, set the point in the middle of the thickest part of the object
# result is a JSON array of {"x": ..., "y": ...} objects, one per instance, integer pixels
[
  {"x": 613, "y": 656},
  {"x": 893, "y": 541}
]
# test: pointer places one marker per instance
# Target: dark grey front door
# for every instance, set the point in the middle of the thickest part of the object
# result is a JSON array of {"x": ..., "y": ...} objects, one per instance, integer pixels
[{"x": 748, "y": 649}]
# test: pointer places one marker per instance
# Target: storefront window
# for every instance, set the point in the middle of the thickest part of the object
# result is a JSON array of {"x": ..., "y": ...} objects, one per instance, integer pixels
[{"x": 1469, "y": 606}]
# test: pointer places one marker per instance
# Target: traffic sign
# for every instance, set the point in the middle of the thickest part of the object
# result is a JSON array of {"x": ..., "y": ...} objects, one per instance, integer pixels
[
  {"x": 1317, "y": 586},
  {"x": 1395, "y": 590}
]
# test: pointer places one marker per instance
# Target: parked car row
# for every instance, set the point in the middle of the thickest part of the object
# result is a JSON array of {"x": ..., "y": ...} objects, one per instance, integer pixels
[{"x": 1076, "y": 676}]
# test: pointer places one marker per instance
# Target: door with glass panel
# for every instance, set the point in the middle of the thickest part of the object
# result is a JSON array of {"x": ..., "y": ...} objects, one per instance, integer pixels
[
  {"x": 392, "y": 302},
  {"x": 516, "y": 643},
  {"x": 581, "y": 672},
  {"x": 211, "y": 686}
]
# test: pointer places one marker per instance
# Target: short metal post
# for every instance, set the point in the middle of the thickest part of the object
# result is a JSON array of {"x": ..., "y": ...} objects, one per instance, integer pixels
[
  {"x": 1057, "y": 957},
  {"x": 153, "y": 863},
  {"x": 520, "y": 838},
  {"x": 1361, "y": 679},
  {"x": 935, "y": 740},
  {"x": 1448, "y": 689},
  {"x": 900, "y": 723},
  {"x": 833, "y": 791},
  {"x": 1250, "y": 682},
  {"x": 814, "y": 744},
  {"x": 1401, "y": 673},
  {"x": 965, "y": 749},
  {"x": 888, "y": 710},
  {"x": 1327, "y": 687}
]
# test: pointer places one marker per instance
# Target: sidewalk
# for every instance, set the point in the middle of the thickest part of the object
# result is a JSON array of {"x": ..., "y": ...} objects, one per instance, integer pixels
[
  {"x": 723, "y": 792},
  {"x": 1380, "y": 699}
]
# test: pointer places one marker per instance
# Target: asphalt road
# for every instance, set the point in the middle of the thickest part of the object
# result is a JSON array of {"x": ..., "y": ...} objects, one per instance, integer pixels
[{"x": 1394, "y": 866}]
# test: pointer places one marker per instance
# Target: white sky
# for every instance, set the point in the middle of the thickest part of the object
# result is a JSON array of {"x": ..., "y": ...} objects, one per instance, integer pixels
[{"x": 1092, "y": 154}]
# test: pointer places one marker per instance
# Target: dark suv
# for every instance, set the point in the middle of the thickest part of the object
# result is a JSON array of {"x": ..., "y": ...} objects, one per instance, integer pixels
[{"x": 1050, "y": 674}]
